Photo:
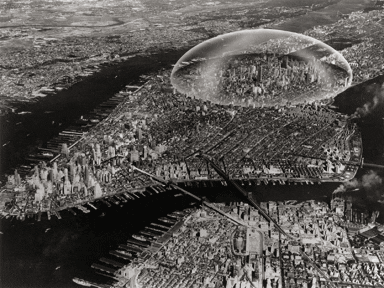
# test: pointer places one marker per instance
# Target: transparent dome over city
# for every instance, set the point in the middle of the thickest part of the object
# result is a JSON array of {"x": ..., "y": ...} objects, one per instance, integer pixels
[{"x": 261, "y": 67}]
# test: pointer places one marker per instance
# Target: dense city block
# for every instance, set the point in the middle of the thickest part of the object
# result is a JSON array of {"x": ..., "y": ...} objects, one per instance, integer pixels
[
  {"x": 162, "y": 132},
  {"x": 239, "y": 247}
]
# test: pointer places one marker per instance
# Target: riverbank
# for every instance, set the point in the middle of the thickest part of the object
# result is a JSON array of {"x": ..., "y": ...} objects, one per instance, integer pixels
[
  {"x": 328, "y": 15},
  {"x": 51, "y": 253},
  {"x": 77, "y": 243},
  {"x": 161, "y": 132},
  {"x": 53, "y": 57},
  {"x": 52, "y": 114}
]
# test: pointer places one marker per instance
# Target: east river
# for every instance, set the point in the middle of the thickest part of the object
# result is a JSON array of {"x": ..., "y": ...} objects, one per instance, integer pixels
[{"x": 51, "y": 253}]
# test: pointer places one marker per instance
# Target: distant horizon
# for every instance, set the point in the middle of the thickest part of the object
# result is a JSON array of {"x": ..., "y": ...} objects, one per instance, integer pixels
[{"x": 90, "y": 54}]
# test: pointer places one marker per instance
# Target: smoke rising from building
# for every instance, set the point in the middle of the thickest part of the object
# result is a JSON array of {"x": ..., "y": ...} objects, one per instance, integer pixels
[
  {"x": 370, "y": 106},
  {"x": 370, "y": 182}
]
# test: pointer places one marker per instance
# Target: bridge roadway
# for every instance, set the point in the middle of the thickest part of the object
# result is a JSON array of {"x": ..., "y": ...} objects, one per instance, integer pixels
[
  {"x": 250, "y": 199},
  {"x": 175, "y": 186},
  {"x": 247, "y": 195}
]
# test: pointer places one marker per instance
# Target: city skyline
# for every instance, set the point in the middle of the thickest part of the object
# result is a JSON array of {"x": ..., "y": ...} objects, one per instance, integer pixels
[{"x": 104, "y": 105}]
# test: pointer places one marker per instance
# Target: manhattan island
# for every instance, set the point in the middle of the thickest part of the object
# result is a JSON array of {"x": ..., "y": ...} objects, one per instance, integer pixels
[
  {"x": 262, "y": 131},
  {"x": 307, "y": 246}
]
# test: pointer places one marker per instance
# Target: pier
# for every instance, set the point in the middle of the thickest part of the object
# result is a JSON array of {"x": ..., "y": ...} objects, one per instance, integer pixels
[
  {"x": 130, "y": 248},
  {"x": 120, "y": 255},
  {"x": 103, "y": 268},
  {"x": 112, "y": 262},
  {"x": 137, "y": 243},
  {"x": 160, "y": 226},
  {"x": 74, "y": 133},
  {"x": 89, "y": 283},
  {"x": 105, "y": 202}
]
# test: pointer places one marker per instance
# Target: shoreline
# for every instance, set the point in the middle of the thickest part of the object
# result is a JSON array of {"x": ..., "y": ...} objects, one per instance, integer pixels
[
  {"x": 77, "y": 95},
  {"x": 168, "y": 46},
  {"x": 279, "y": 178}
]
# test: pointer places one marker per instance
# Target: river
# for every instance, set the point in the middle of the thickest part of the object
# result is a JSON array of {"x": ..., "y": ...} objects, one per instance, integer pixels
[
  {"x": 51, "y": 114},
  {"x": 324, "y": 16},
  {"x": 32, "y": 255}
]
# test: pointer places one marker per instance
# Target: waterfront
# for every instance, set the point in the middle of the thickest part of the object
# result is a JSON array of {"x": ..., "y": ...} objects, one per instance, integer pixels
[
  {"x": 30, "y": 255},
  {"x": 94, "y": 236},
  {"x": 70, "y": 244},
  {"x": 19, "y": 134},
  {"x": 51, "y": 253},
  {"x": 324, "y": 16},
  {"x": 53, "y": 113}
]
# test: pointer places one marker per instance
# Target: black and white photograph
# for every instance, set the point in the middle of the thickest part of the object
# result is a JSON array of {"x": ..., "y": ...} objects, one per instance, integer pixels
[{"x": 192, "y": 144}]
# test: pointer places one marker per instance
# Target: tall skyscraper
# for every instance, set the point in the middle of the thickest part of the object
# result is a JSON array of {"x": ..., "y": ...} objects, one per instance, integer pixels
[{"x": 64, "y": 149}]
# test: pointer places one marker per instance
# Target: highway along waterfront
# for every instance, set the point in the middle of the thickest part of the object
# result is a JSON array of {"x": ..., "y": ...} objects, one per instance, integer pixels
[
  {"x": 371, "y": 124},
  {"x": 20, "y": 134},
  {"x": 51, "y": 253}
]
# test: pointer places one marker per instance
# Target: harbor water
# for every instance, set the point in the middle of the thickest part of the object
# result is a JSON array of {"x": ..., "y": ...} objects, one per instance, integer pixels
[{"x": 50, "y": 253}]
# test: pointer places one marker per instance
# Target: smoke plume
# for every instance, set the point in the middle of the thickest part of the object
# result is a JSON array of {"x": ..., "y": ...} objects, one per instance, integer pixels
[
  {"x": 370, "y": 106},
  {"x": 370, "y": 182}
]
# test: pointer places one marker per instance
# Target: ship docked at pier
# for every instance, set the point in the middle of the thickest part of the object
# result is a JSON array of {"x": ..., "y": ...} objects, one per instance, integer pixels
[
  {"x": 137, "y": 251},
  {"x": 306, "y": 143},
  {"x": 163, "y": 132},
  {"x": 237, "y": 243}
]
